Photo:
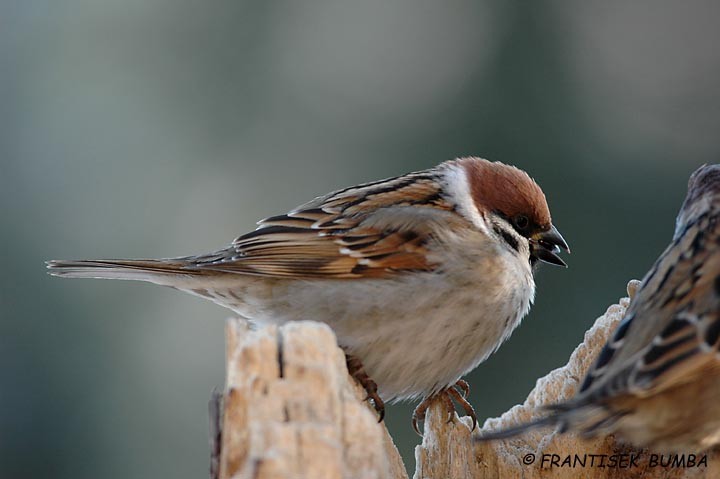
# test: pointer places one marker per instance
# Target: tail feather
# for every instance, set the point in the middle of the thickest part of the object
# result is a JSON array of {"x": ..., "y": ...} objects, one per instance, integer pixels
[
  {"x": 129, "y": 269},
  {"x": 580, "y": 415},
  {"x": 513, "y": 431}
]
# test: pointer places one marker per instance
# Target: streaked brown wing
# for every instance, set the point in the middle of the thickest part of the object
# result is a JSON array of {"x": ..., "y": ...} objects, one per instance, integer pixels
[
  {"x": 672, "y": 324},
  {"x": 372, "y": 230},
  {"x": 675, "y": 353}
]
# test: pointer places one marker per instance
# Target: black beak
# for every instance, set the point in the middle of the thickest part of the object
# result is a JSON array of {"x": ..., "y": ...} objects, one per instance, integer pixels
[{"x": 546, "y": 245}]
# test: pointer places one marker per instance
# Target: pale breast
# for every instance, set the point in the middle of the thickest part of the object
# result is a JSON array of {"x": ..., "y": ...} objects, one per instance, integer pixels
[{"x": 414, "y": 333}]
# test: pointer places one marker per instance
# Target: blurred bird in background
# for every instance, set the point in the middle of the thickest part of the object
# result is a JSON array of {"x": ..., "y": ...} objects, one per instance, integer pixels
[
  {"x": 656, "y": 383},
  {"x": 421, "y": 276}
]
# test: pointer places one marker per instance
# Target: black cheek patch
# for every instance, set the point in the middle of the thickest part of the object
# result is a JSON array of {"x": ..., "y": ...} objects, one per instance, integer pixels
[
  {"x": 713, "y": 333},
  {"x": 509, "y": 238}
]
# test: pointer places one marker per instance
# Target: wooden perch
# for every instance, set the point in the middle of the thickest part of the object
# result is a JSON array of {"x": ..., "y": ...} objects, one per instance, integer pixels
[
  {"x": 504, "y": 459},
  {"x": 290, "y": 410}
]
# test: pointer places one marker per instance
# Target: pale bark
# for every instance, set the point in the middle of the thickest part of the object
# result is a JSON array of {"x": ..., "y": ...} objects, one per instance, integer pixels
[
  {"x": 290, "y": 410},
  {"x": 504, "y": 459}
]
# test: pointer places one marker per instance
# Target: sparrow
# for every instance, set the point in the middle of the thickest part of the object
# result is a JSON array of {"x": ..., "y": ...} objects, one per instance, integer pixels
[
  {"x": 656, "y": 382},
  {"x": 421, "y": 276}
]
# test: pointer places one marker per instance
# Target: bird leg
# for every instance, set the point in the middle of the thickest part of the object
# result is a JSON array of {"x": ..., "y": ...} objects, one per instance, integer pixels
[
  {"x": 459, "y": 392},
  {"x": 462, "y": 401},
  {"x": 357, "y": 371}
]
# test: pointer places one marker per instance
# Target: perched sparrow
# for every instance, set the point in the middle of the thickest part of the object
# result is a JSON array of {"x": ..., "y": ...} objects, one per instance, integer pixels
[
  {"x": 656, "y": 383},
  {"x": 421, "y": 277}
]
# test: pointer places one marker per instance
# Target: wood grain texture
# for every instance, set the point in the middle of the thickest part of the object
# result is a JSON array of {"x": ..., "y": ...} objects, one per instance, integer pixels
[
  {"x": 292, "y": 410},
  {"x": 504, "y": 458}
]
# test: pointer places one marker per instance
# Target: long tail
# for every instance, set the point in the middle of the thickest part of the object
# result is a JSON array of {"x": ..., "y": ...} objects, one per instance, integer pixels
[
  {"x": 582, "y": 415},
  {"x": 513, "y": 431},
  {"x": 160, "y": 271}
]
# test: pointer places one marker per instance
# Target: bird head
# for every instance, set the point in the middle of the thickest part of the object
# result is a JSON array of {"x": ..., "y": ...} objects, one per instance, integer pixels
[
  {"x": 515, "y": 207},
  {"x": 703, "y": 196}
]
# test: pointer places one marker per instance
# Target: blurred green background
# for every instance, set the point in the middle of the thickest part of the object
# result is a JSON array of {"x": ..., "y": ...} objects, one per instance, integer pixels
[{"x": 154, "y": 128}]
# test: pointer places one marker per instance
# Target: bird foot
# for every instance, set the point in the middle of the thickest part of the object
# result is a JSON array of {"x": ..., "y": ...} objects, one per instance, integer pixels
[
  {"x": 357, "y": 371},
  {"x": 459, "y": 392}
]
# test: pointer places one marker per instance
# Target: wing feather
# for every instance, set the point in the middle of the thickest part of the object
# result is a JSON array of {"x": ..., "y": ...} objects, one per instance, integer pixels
[
  {"x": 685, "y": 336},
  {"x": 373, "y": 230}
]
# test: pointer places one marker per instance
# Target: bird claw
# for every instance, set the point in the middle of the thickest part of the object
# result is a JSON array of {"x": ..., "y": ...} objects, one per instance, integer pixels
[
  {"x": 467, "y": 407},
  {"x": 378, "y": 404},
  {"x": 419, "y": 415},
  {"x": 357, "y": 371},
  {"x": 458, "y": 392},
  {"x": 421, "y": 410},
  {"x": 449, "y": 407},
  {"x": 462, "y": 385}
]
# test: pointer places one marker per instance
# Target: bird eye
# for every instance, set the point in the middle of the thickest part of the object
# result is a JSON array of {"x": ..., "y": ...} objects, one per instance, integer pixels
[{"x": 521, "y": 222}]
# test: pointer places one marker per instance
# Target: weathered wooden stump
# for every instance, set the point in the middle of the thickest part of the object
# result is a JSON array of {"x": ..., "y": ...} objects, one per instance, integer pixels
[{"x": 290, "y": 410}]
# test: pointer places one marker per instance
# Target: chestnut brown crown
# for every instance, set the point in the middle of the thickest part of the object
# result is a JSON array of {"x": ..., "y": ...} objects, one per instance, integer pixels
[{"x": 508, "y": 190}]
